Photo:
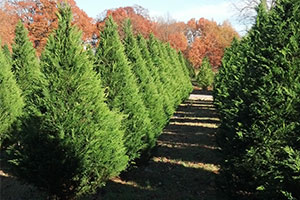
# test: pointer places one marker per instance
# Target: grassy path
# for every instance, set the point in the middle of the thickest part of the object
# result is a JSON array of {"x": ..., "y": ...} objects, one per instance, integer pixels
[{"x": 186, "y": 162}]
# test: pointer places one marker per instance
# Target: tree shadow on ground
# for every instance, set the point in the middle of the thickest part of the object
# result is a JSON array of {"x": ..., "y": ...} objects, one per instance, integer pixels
[{"x": 186, "y": 161}]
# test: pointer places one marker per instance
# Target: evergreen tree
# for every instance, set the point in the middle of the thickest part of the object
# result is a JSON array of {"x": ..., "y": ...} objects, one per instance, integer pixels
[
  {"x": 11, "y": 101},
  {"x": 77, "y": 145},
  {"x": 205, "y": 76},
  {"x": 27, "y": 70},
  {"x": 170, "y": 75},
  {"x": 7, "y": 53},
  {"x": 175, "y": 74},
  {"x": 153, "y": 73},
  {"x": 151, "y": 98},
  {"x": 122, "y": 90},
  {"x": 159, "y": 62},
  {"x": 183, "y": 64},
  {"x": 183, "y": 81},
  {"x": 262, "y": 118}
]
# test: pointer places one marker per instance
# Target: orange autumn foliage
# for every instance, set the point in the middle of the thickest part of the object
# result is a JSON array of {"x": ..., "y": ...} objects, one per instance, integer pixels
[
  {"x": 172, "y": 32},
  {"x": 39, "y": 17},
  {"x": 178, "y": 41},
  {"x": 210, "y": 40},
  {"x": 196, "y": 38},
  {"x": 8, "y": 20},
  {"x": 140, "y": 20}
]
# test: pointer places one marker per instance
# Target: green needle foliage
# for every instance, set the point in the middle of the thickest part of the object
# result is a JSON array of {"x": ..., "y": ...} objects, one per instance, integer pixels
[
  {"x": 170, "y": 69},
  {"x": 153, "y": 73},
  {"x": 160, "y": 63},
  {"x": 205, "y": 76},
  {"x": 11, "y": 101},
  {"x": 7, "y": 53},
  {"x": 122, "y": 90},
  {"x": 182, "y": 78},
  {"x": 257, "y": 93},
  {"x": 27, "y": 70},
  {"x": 188, "y": 67},
  {"x": 77, "y": 144},
  {"x": 152, "y": 100}
]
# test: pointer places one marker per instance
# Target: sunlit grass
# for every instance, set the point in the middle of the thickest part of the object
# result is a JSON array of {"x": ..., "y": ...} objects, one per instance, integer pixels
[
  {"x": 196, "y": 165},
  {"x": 195, "y": 124}
]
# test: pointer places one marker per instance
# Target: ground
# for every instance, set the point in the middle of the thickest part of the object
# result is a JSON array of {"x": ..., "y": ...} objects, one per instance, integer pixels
[{"x": 185, "y": 164}]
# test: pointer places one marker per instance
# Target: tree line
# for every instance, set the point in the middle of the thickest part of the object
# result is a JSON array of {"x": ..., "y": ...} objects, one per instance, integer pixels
[
  {"x": 77, "y": 116},
  {"x": 198, "y": 38},
  {"x": 257, "y": 94}
]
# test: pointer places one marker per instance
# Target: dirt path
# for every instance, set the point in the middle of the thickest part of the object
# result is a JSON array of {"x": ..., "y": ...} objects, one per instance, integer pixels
[{"x": 186, "y": 163}]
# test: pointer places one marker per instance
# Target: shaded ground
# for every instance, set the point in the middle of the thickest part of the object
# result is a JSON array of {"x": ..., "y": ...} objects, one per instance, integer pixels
[
  {"x": 186, "y": 162},
  {"x": 185, "y": 165}
]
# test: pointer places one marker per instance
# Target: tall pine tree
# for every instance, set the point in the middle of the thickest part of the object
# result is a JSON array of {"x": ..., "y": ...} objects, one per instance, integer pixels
[
  {"x": 27, "y": 70},
  {"x": 122, "y": 90},
  {"x": 159, "y": 63},
  {"x": 6, "y": 52},
  {"x": 151, "y": 98},
  {"x": 258, "y": 97},
  {"x": 153, "y": 73},
  {"x": 77, "y": 145},
  {"x": 11, "y": 101}
]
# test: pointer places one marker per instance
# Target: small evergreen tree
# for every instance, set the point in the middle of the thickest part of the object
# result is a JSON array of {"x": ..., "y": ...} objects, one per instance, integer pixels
[
  {"x": 188, "y": 71},
  {"x": 122, "y": 90},
  {"x": 205, "y": 76},
  {"x": 11, "y": 101},
  {"x": 151, "y": 98},
  {"x": 77, "y": 144}
]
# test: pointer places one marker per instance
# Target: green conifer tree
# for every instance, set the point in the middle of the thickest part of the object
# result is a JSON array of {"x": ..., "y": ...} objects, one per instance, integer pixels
[
  {"x": 175, "y": 75},
  {"x": 6, "y": 52},
  {"x": 205, "y": 76},
  {"x": 151, "y": 98},
  {"x": 170, "y": 75},
  {"x": 77, "y": 145},
  {"x": 183, "y": 81},
  {"x": 159, "y": 62},
  {"x": 263, "y": 114},
  {"x": 183, "y": 63},
  {"x": 26, "y": 68},
  {"x": 163, "y": 99},
  {"x": 11, "y": 101},
  {"x": 122, "y": 90}
]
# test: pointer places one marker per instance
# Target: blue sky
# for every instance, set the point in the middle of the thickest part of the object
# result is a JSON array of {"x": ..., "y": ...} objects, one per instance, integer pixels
[{"x": 180, "y": 10}]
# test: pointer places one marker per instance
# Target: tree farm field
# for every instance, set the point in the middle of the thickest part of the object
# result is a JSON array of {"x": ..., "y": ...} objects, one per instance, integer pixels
[{"x": 185, "y": 164}]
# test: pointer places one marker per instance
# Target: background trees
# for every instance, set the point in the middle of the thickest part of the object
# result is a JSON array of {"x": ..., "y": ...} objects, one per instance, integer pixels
[
  {"x": 40, "y": 19},
  {"x": 196, "y": 39}
]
